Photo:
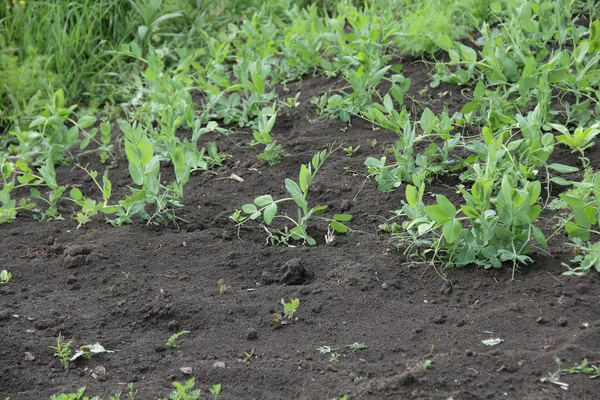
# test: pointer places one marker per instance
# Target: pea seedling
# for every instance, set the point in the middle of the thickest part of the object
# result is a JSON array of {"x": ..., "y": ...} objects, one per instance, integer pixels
[
  {"x": 5, "y": 276},
  {"x": 171, "y": 342},
  {"x": 350, "y": 151},
  {"x": 288, "y": 311},
  {"x": 222, "y": 286},
  {"x": 425, "y": 365},
  {"x": 266, "y": 208}
]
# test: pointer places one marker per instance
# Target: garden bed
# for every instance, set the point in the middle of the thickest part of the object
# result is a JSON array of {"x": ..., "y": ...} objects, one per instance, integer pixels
[{"x": 130, "y": 288}]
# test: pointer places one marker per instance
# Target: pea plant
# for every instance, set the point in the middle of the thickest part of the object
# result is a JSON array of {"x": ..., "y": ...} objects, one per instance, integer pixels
[
  {"x": 266, "y": 208},
  {"x": 582, "y": 221},
  {"x": 407, "y": 164},
  {"x": 273, "y": 151},
  {"x": 496, "y": 226},
  {"x": 53, "y": 136},
  {"x": 289, "y": 310}
]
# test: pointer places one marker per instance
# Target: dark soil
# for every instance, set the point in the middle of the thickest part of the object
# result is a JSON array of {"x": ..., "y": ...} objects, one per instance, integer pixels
[{"x": 361, "y": 289}]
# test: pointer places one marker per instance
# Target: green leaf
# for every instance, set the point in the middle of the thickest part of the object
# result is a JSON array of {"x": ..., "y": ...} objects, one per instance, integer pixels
[
  {"x": 445, "y": 205},
  {"x": 339, "y": 227},
  {"x": 142, "y": 31},
  {"x": 178, "y": 159},
  {"x": 387, "y": 180},
  {"x": 305, "y": 178},
  {"x": 539, "y": 236},
  {"x": 49, "y": 174},
  {"x": 436, "y": 214},
  {"x": 468, "y": 54},
  {"x": 596, "y": 188},
  {"x": 55, "y": 121},
  {"x": 342, "y": 217},
  {"x": 106, "y": 187},
  {"x": 269, "y": 213},
  {"x": 84, "y": 143},
  {"x": 574, "y": 202},
  {"x": 452, "y": 230},
  {"x": 86, "y": 121},
  {"x": 249, "y": 208},
  {"x": 562, "y": 129},
  {"x": 469, "y": 211},
  {"x": 560, "y": 181},
  {"x": 38, "y": 121},
  {"x": 263, "y": 200},
  {"x": 135, "y": 171},
  {"x": 316, "y": 161},
  {"x": 76, "y": 194},
  {"x": 427, "y": 120},
  {"x": 387, "y": 103},
  {"x": 479, "y": 90},
  {"x": 563, "y": 169},
  {"x": 411, "y": 196},
  {"x": 470, "y": 107},
  {"x": 150, "y": 74},
  {"x": 33, "y": 192},
  {"x": 581, "y": 218},
  {"x": 294, "y": 190},
  {"x": 146, "y": 150}
]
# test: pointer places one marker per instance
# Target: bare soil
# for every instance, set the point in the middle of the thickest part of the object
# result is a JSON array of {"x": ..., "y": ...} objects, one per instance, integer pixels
[{"x": 362, "y": 289}]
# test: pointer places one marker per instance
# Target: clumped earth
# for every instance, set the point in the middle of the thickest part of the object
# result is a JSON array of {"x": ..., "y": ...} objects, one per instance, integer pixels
[{"x": 131, "y": 288}]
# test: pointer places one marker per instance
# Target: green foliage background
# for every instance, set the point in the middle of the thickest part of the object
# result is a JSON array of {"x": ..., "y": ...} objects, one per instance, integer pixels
[{"x": 74, "y": 45}]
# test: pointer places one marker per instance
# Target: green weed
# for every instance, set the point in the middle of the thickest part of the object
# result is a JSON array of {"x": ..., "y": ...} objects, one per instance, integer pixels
[{"x": 63, "y": 352}]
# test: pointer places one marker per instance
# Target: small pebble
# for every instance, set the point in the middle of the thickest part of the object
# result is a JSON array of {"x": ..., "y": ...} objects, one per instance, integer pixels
[
  {"x": 384, "y": 286},
  {"x": 219, "y": 364}
]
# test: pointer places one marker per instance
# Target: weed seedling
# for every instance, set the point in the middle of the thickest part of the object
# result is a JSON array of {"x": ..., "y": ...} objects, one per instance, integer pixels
[
  {"x": 356, "y": 346},
  {"x": 248, "y": 356},
  {"x": 326, "y": 349},
  {"x": 5, "y": 276},
  {"x": 350, "y": 151},
  {"x": 63, "y": 351},
  {"x": 130, "y": 392},
  {"x": 171, "y": 342},
  {"x": 425, "y": 365},
  {"x": 222, "y": 286},
  {"x": 584, "y": 368},
  {"x": 184, "y": 391},
  {"x": 215, "y": 390}
]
